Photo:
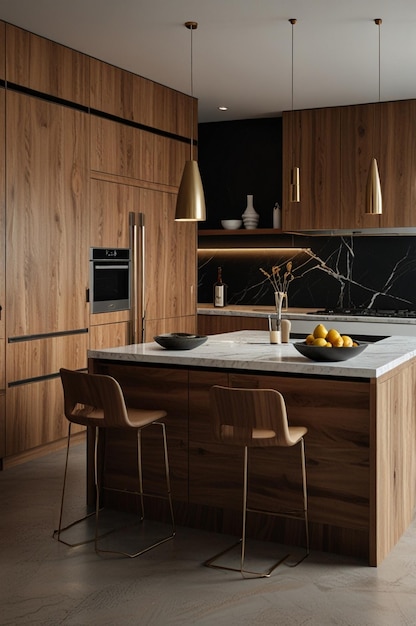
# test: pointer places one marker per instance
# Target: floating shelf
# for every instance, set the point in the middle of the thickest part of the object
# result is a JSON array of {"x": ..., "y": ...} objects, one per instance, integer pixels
[{"x": 240, "y": 231}]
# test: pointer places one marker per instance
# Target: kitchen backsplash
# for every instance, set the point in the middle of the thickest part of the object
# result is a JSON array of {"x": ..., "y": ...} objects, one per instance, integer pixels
[{"x": 371, "y": 272}]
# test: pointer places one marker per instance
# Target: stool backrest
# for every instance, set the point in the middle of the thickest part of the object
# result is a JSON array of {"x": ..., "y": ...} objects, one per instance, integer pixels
[
  {"x": 93, "y": 400},
  {"x": 249, "y": 417}
]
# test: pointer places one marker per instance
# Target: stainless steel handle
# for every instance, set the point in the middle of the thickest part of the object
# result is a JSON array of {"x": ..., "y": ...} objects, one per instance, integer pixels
[{"x": 137, "y": 242}]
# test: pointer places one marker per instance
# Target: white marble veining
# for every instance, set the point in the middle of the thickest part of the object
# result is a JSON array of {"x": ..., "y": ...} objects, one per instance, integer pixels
[{"x": 251, "y": 350}]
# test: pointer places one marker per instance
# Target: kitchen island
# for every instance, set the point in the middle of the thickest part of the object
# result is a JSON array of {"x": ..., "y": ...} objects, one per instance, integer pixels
[{"x": 360, "y": 446}]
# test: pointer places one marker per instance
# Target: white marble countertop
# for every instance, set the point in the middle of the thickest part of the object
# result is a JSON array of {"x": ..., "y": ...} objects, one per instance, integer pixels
[
  {"x": 311, "y": 315},
  {"x": 251, "y": 350}
]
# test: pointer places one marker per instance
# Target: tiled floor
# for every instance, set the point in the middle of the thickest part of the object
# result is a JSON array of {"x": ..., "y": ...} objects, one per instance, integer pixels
[{"x": 44, "y": 582}]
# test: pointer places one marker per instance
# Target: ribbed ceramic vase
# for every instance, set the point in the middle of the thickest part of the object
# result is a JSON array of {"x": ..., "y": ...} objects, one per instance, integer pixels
[{"x": 250, "y": 215}]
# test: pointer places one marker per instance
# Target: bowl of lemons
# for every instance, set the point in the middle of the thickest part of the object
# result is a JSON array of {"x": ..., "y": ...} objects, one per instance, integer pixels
[{"x": 329, "y": 345}]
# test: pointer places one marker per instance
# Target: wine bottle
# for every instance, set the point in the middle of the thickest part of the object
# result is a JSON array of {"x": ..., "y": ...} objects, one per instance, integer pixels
[{"x": 220, "y": 290}]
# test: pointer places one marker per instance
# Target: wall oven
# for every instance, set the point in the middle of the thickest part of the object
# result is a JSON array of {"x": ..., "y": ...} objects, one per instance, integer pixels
[{"x": 110, "y": 279}]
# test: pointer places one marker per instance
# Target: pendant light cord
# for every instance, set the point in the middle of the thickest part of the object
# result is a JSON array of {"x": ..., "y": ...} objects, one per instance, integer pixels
[
  {"x": 192, "y": 26},
  {"x": 379, "y": 21},
  {"x": 293, "y": 22}
]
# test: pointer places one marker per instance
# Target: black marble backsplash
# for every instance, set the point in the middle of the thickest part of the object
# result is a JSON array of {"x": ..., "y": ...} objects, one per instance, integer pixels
[{"x": 329, "y": 272}]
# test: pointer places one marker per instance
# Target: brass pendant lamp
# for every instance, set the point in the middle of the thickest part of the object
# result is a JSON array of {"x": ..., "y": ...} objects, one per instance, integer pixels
[
  {"x": 294, "y": 172},
  {"x": 374, "y": 200},
  {"x": 190, "y": 203}
]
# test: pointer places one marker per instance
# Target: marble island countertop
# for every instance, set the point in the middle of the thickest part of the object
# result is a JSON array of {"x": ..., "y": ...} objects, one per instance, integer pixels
[{"x": 251, "y": 350}]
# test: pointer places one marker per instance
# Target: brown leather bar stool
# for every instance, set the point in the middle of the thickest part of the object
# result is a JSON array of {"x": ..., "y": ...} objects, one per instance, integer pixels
[
  {"x": 97, "y": 401},
  {"x": 256, "y": 418}
]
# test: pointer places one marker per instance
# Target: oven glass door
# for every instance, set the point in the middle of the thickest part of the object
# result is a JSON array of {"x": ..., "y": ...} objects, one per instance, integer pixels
[{"x": 110, "y": 286}]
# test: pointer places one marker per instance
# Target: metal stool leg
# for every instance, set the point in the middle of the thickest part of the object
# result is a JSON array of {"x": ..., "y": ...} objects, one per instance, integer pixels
[
  {"x": 141, "y": 494},
  {"x": 211, "y": 562},
  {"x": 57, "y": 533}
]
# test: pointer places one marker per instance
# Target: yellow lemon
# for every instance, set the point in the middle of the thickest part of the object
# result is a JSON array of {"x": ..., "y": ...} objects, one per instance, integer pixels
[
  {"x": 348, "y": 343},
  {"x": 332, "y": 335},
  {"x": 309, "y": 340},
  {"x": 320, "y": 332},
  {"x": 319, "y": 341},
  {"x": 354, "y": 344},
  {"x": 338, "y": 342},
  {"x": 328, "y": 344}
]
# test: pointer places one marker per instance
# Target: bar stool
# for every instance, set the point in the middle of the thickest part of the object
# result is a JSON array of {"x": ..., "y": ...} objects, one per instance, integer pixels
[
  {"x": 256, "y": 418},
  {"x": 97, "y": 401}
]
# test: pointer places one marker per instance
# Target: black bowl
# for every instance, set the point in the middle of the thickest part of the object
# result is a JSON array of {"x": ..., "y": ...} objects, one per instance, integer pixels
[
  {"x": 180, "y": 341},
  {"x": 318, "y": 353}
]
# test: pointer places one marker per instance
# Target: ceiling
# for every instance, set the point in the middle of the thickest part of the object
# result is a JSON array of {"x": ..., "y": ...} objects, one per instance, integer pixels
[{"x": 242, "y": 49}]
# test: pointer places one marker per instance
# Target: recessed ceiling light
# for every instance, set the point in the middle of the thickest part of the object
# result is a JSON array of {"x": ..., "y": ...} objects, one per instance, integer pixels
[{"x": 220, "y": 108}]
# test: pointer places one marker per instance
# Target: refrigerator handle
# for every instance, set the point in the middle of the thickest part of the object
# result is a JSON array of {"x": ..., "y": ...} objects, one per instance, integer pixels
[{"x": 137, "y": 244}]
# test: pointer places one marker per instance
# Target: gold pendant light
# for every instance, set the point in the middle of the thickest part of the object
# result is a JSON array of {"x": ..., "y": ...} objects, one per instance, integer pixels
[
  {"x": 374, "y": 200},
  {"x": 190, "y": 203},
  {"x": 294, "y": 173}
]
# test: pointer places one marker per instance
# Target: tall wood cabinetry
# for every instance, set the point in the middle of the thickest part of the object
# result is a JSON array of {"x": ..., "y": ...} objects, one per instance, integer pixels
[
  {"x": 134, "y": 169},
  {"x": 2, "y": 278},
  {"x": 85, "y": 144},
  {"x": 333, "y": 148}
]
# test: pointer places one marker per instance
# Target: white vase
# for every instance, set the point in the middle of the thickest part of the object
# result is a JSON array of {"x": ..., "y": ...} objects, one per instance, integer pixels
[{"x": 250, "y": 215}]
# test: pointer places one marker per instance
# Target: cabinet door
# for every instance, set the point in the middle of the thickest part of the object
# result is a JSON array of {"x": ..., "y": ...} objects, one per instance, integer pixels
[
  {"x": 170, "y": 262},
  {"x": 45, "y": 66},
  {"x": 169, "y": 255},
  {"x": 397, "y": 162},
  {"x": 313, "y": 139},
  {"x": 2, "y": 50},
  {"x": 47, "y": 216},
  {"x": 359, "y": 144}
]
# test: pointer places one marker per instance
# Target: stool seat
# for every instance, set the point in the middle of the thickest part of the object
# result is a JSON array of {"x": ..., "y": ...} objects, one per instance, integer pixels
[
  {"x": 97, "y": 402},
  {"x": 255, "y": 418}
]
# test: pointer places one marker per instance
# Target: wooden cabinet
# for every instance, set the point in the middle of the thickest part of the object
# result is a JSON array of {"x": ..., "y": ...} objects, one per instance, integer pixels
[
  {"x": 45, "y": 66},
  {"x": 2, "y": 270},
  {"x": 311, "y": 142},
  {"x": 47, "y": 237},
  {"x": 333, "y": 148},
  {"x": 2, "y": 50},
  {"x": 131, "y": 97},
  {"x": 47, "y": 219},
  {"x": 34, "y": 400},
  {"x": 397, "y": 162},
  {"x": 73, "y": 176},
  {"x": 169, "y": 254},
  {"x": 122, "y": 150}
]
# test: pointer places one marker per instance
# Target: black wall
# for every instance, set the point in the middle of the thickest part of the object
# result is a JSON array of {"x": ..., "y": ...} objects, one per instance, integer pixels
[{"x": 237, "y": 159}]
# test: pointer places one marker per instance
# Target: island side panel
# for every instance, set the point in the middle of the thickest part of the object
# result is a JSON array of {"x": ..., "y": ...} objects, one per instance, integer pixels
[
  {"x": 394, "y": 459},
  {"x": 150, "y": 388},
  {"x": 337, "y": 416}
]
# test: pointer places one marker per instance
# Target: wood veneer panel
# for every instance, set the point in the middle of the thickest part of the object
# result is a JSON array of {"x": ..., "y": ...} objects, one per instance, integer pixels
[
  {"x": 2, "y": 424},
  {"x": 170, "y": 250},
  {"x": 46, "y": 216},
  {"x": 214, "y": 324},
  {"x": 45, "y": 66},
  {"x": 127, "y": 151},
  {"x": 2, "y": 50},
  {"x": 131, "y": 97},
  {"x": 186, "y": 324},
  {"x": 34, "y": 415},
  {"x": 40, "y": 357},
  {"x": 337, "y": 417},
  {"x": 109, "y": 335},
  {"x": 394, "y": 459},
  {"x": 2, "y": 224},
  {"x": 358, "y": 148},
  {"x": 145, "y": 387},
  {"x": 397, "y": 162}
]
